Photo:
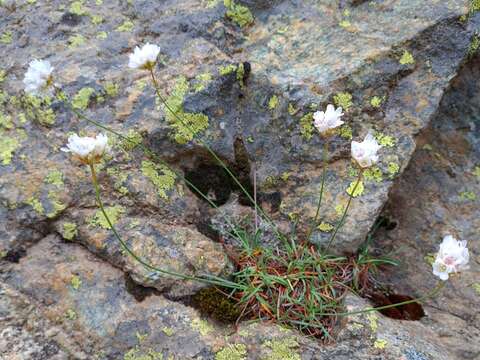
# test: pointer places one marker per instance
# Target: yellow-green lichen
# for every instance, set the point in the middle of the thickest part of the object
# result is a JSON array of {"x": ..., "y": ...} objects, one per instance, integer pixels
[
  {"x": 202, "y": 326},
  {"x": 76, "y": 41},
  {"x": 241, "y": 74},
  {"x": 407, "y": 58},
  {"x": 474, "y": 45},
  {"x": 38, "y": 109},
  {"x": 273, "y": 102},
  {"x": 102, "y": 35},
  {"x": 476, "y": 171},
  {"x": 134, "y": 140},
  {"x": 161, "y": 176},
  {"x": 474, "y": 6},
  {"x": 373, "y": 321},
  {"x": 3, "y": 75},
  {"x": 476, "y": 288},
  {"x": 96, "y": 19},
  {"x": 168, "y": 331},
  {"x": 82, "y": 98},
  {"x": 376, "y": 101},
  {"x": 6, "y": 37},
  {"x": 355, "y": 189},
  {"x": 306, "y": 126},
  {"x": 282, "y": 349},
  {"x": 373, "y": 174},
  {"x": 36, "y": 205},
  {"x": 75, "y": 282},
  {"x": 119, "y": 178},
  {"x": 339, "y": 209},
  {"x": 185, "y": 126},
  {"x": 393, "y": 169},
  {"x": 385, "y": 140},
  {"x": 291, "y": 109},
  {"x": 57, "y": 206},
  {"x": 429, "y": 258},
  {"x": 201, "y": 81},
  {"x": 380, "y": 344},
  {"x": 343, "y": 99},
  {"x": 238, "y": 13},
  {"x": 137, "y": 354},
  {"x": 54, "y": 177},
  {"x": 69, "y": 230},
  {"x": 141, "y": 337},
  {"x": 77, "y": 8},
  {"x": 113, "y": 212},
  {"x": 345, "y": 132},
  {"x": 127, "y": 26},
  {"x": 111, "y": 89},
  {"x": 468, "y": 195},
  {"x": 227, "y": 69},
  {"x": 345, "y": 23},
  {"x": 325, "y": 227},
  {"x": 6, "y": 121},
  {"x": 232, "y": 352},
  {"x": 70, "y": 314}
]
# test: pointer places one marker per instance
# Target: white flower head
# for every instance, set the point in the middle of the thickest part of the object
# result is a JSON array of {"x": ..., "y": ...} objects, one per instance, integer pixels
[
  {"x": 88, "y": 149},
  {"x": 365, "y": 152},
  {"x": 38, "y": 76},
  {"x": 452, "y": 257},
  {"x": 328, "y": 120},
  {"x": 144, "y": 57}
]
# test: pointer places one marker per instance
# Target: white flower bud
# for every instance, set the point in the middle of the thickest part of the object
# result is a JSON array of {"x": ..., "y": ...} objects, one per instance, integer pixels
[{"x": 87, "y": 149}]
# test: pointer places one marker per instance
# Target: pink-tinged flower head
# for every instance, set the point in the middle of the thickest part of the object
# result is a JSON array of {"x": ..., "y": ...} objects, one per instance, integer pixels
[
  {"x": 328, "y": 120},
  {"x": 144, "y": 57},
  {"x": 87, "y": 149},
  {"x": 452, "y": 257},
  {"x": 38, "y": 76},
  {"x": 365, "y": 152}
]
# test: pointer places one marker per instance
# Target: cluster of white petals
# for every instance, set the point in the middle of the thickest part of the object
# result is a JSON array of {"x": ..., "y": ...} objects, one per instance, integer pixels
[
  {"x": 328, "y": 120},
  {"x": 87, "y": 149},
  {"x": 38, "y": 76},
  {"x": 144, "y": 57},
  {"x": 365, "y": 152},
  {"x": 451, "y": 258}
]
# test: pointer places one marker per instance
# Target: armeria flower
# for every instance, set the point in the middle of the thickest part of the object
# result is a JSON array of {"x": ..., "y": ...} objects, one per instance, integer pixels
[
  {"x": 144, "y": 57},
  {"x": 88, "y": 149},
  {"x": 365, "y": 152},
  {"x": 328, "y": 120},
  {"x": 38, "y": 76},
  {"x": 452, "y": 257}
]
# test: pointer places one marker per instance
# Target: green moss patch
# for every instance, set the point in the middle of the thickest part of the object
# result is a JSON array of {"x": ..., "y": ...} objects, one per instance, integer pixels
[
  {"x": 306, "y": 126},
  {"x": 82, "y": 98},
  {"x": 232, "y": 352},
  {"x": 282, "y": 349},
  {"x": 343, "y": 99}
]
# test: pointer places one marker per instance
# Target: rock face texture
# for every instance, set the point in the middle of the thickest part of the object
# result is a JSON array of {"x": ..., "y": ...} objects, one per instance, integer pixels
[{"x": 248, "y": 76}]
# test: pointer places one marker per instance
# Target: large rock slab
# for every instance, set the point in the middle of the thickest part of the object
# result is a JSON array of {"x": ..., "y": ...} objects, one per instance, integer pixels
[
  {"x": 62, "y": 302},
  {"x": 439, "y": 194}
]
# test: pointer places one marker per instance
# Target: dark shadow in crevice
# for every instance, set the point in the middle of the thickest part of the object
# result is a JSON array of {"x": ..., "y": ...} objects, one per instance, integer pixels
[
  {"x": 139, "y": 292},
  {"x": 14, "y": 256},
  {"x": 413, "y": 311}
]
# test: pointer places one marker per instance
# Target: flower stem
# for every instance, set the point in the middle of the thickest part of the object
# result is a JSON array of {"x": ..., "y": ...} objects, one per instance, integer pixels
[
  {"x": 213, "y": 279},
  {"x": 150, "y": 154},
  {"x": 324, "y": 174},
  {"x": 430, "y": 294},
  {"x": 212, "y": 153},
  {"x": 344, "y": 216}
]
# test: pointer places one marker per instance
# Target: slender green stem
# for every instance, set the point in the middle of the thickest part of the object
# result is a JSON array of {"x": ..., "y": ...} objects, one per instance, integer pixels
[
  {"x": 216, "y": 281},
  {"x": 152, "y": 155},
  {"x": 212, "y": 153},
  {"x": 432, "y": 293},
  {"x": 344, "y": 216},
  {"x": 324, "y": 174}
]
